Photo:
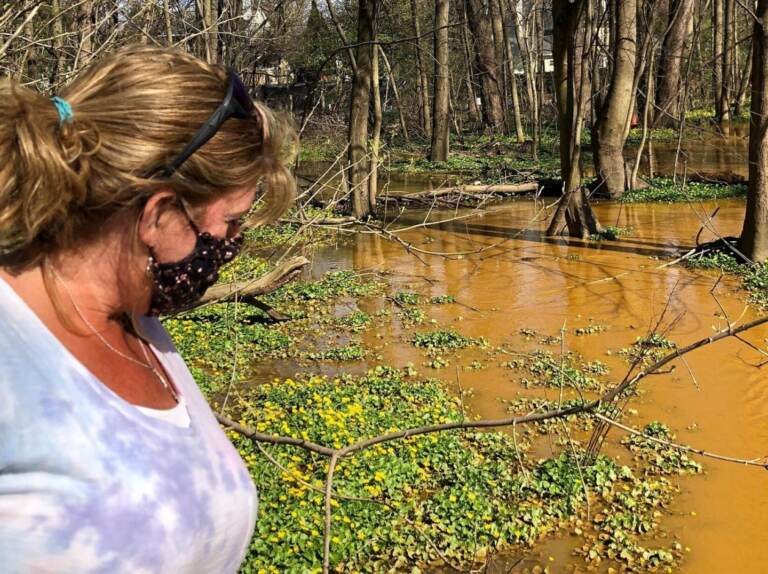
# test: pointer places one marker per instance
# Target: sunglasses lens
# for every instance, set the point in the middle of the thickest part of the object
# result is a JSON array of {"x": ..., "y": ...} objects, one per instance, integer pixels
[{"x": 240, "y": 95}]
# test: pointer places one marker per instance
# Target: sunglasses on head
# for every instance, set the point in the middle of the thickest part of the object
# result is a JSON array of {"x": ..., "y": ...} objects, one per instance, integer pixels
[{"x": 237, "y": 103}]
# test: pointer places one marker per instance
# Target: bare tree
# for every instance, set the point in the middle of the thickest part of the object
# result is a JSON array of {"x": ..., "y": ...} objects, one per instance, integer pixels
[
  {"x": 570, "y": 43},
  {"x": 754, "y": 235},
  {"x": 425, "y": 114},
  {"x": 487, "y": 65},
  {"x": 359, "y": 164},
  {"x": 669, "y": 81},
  {"x": 441, "y": 115},
  {"x": 613, "y": 119}
]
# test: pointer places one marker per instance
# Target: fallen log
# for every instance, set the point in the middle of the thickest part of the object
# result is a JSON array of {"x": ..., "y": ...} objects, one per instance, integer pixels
[
  {"x": 475, "y": 189},
  {"x": 247, "y": 291}
]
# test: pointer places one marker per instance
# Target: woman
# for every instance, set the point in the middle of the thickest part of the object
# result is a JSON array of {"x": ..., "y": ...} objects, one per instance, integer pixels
[{"x": 119, "y": 200}]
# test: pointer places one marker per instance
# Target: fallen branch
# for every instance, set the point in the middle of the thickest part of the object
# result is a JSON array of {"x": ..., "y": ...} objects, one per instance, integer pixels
[
  {"x": 246, "y": 291},
  {"x": 500, "y": 188}
]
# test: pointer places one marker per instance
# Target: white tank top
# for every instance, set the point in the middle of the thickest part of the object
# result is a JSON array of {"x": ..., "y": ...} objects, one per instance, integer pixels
[{"x": 89, "y": 483}]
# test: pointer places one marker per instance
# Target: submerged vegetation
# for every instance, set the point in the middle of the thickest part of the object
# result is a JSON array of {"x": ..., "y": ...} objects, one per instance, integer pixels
[
  {"x": 754, "y": 278},
  {"x": 454, "y": 497},
  {"x": 665, "y": 190}
]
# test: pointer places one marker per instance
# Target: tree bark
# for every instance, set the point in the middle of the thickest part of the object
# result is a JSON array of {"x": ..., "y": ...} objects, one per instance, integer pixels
[
  {"x": 718, "y": 18},
  {"x": 574, "y": 212},
  {"x": 528, "y": 64},
  {"x": 359, "y": 164},
  {"x": 497, "y": 25},
  {"x": 245, "y": 290},
  {"x": 512, "y": 79},
  {"x": 754, "y": 235},
  {"x": 612, "y": 126},
  {"x": 373, "y": 178},
  {"x": 85, "y": 26},
  {"x": 57, "y": 31},
  {"x": 425, "y": 116},
  {"x": 472, "y": 111},
  {"x": 487, "y": 66},
  {"x": 441, "y": 111},
  {"x": 729, "y": 48},
  {"x": 676, "y": 43},
  {"x": 211, "y": 30},
  {"x": 168, "y": 22}
]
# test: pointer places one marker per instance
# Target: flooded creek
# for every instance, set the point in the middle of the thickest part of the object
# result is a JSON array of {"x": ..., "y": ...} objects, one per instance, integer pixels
[{"x": 510, "y": 277}]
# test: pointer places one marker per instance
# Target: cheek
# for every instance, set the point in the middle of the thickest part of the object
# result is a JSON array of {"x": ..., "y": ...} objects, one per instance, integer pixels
[
  {"x": 214, "y": 221},
  {"x": 175, "y": 245}
]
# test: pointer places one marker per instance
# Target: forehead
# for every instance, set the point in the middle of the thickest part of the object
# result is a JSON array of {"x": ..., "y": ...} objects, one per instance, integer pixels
[{"x": 232, "y": 201}]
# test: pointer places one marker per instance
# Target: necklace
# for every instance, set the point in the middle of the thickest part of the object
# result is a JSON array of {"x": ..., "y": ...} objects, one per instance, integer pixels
[{"x": 148, "y": 365}]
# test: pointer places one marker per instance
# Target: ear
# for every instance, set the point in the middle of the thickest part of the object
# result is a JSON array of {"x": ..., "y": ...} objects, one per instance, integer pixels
[{"x": 154, "y": 217}]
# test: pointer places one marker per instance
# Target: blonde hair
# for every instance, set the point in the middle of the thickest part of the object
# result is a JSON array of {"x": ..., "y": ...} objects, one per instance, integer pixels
[{"x": 133, "y": 112}]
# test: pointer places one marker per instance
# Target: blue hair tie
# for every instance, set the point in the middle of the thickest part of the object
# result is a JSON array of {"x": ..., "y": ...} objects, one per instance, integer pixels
[{"x": 64, "y": 109}]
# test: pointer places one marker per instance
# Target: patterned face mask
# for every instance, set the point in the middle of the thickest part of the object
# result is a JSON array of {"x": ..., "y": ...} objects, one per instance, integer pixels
[{"x": 178, "y": 285}]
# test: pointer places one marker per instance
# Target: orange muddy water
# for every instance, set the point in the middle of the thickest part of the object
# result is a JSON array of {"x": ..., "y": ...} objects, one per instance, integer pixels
[{"x": 511, "y": 277}]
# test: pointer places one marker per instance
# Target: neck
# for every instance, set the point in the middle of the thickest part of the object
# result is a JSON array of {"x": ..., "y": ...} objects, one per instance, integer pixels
[{"x": 98, "y": 285}]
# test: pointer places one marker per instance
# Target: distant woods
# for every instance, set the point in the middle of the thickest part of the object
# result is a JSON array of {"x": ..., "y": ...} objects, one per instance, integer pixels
[{"x": 429, "y": 71}]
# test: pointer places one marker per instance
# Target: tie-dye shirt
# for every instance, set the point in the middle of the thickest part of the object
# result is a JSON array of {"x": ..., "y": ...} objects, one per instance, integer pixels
[{"x": 90, "y": 484}]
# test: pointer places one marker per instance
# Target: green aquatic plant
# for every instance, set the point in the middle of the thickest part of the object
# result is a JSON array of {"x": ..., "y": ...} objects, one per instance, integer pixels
[
  {"x": 355, "y": 322},
  {"x": 443, "y": 340},
  {"x": 661, "y": 459},
  {"x": 662, "y": 189},
  {"x": 350, "y": 352},
  {"x": 648, "y": 349},
  {"x": 591, "y": 329},
  {"x": 442, "y": 299},
  {"x": 610, "y": 233},
  {"x": 545, "y": 369},
  {"x": 407, "y": 298},
  {"x": 456, "y": 493},
  {"x": 754, "y": 278},
  {"x": 412, "y": 316}
]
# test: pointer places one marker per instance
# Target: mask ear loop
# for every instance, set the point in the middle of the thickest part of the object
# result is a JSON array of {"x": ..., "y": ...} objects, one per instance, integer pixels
[{"x": 182, "y": 205}]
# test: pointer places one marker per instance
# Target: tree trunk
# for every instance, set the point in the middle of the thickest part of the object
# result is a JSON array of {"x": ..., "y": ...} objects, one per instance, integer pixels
[
  {"x": 741, "y": 94},
  {"x": 29, "y": 65},
  {"x": 523, "y": 43},
  {"x": 168, "y": 23},
  {"x": 488, "y": 69},
  {"x": 211, "y": 29},
  {"x": 717, "y": 56},
  {"x": 425, "y": 116},
  {"x": 754, "y": 235},
  {"x": 497, "y": 25},
  {"x": 373, "y": 179},
  {"x": 359, "y": 164},
  {"x": 612, "y": 126},
  {"x": 729, "y": 48},
  {"x": 571, "y": 89},
  {"x": 472, "y": 111},
  {"x": 512, "y": 79},
  {"x": 57, "y": 30},
  {"x": 676, "y": 43},
  {"x": 441, "y": 115},
  {"x": 85, "y": 27}
]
